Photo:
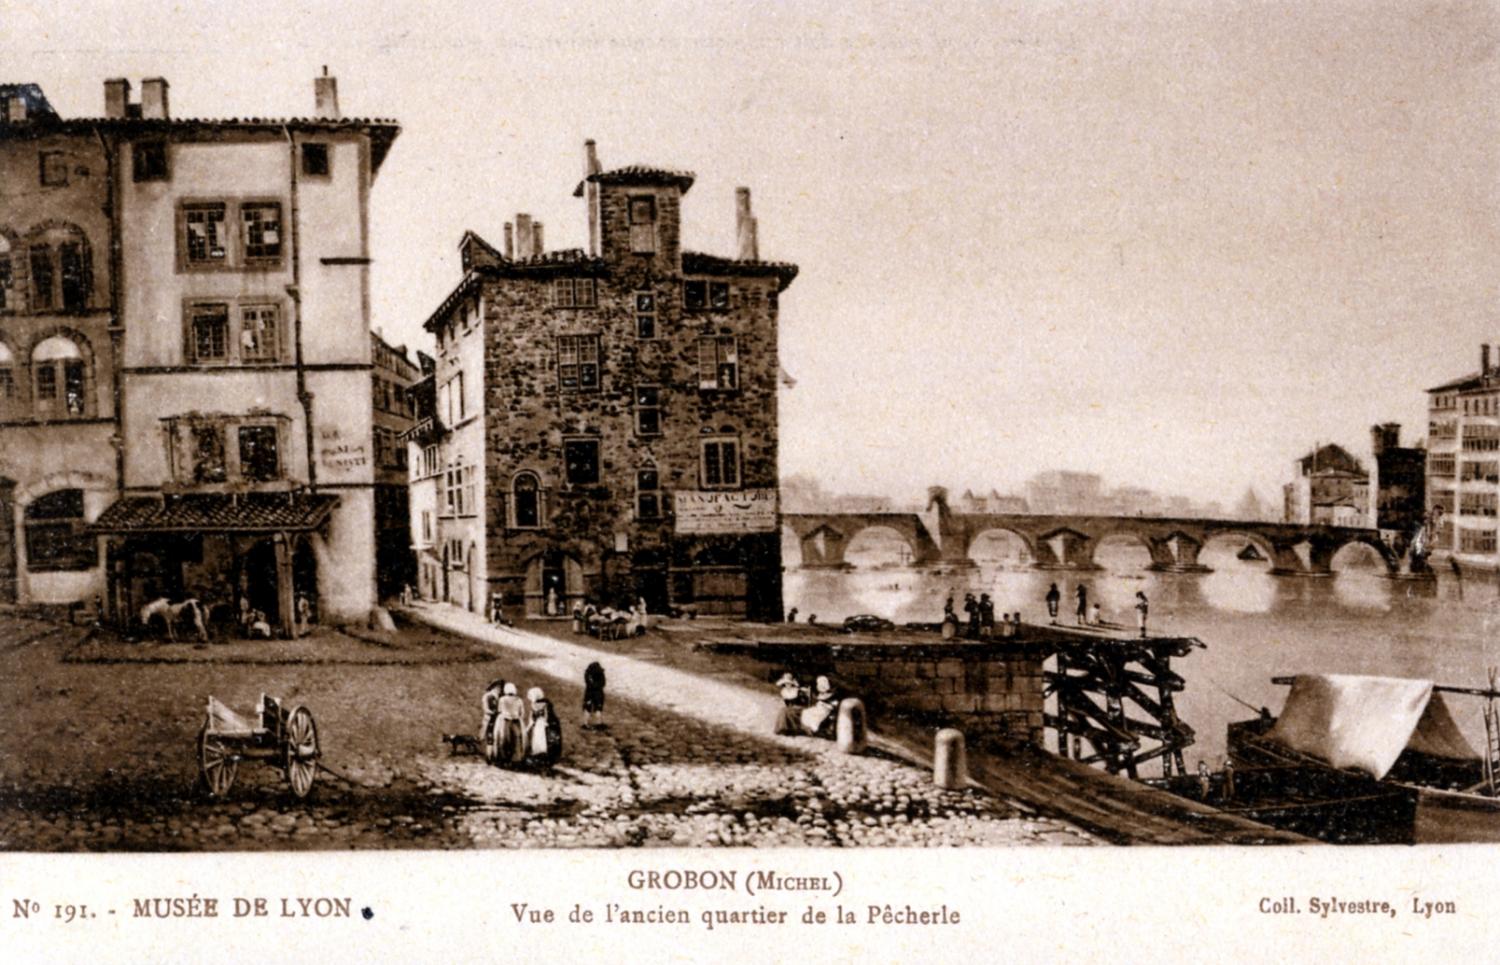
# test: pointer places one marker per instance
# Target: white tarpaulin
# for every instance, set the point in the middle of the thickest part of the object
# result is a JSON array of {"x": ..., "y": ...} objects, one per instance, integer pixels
[{"x": 1366, "y": 722}]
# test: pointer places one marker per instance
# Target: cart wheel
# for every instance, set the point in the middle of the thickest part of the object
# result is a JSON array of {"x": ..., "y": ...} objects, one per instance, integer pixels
[
  {"x": 301, "y": 750},
  {"x": 217, "y": 765}
]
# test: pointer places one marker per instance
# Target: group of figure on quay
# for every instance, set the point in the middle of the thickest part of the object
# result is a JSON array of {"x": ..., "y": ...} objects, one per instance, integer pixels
[
  {"x": 804, "y": 712},
  {"x": 980, "y": 614},
  {"x": 1094, "y": 616},
  {"x": 520, "y": 732}
]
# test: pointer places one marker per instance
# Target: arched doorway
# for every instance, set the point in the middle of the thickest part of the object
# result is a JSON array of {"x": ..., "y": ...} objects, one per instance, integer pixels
[
  {"x": 554, "y": 583},
  {"x": 649, "y": 569}
]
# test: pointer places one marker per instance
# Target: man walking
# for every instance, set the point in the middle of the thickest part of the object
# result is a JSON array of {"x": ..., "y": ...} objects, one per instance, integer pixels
[{"x": 1083, "y": 604}]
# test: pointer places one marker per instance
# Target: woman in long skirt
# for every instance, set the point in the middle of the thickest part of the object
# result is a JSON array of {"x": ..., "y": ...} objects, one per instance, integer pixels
[
  {"x": 510, "y": 729},
  {"x": 544, "y": 738}
]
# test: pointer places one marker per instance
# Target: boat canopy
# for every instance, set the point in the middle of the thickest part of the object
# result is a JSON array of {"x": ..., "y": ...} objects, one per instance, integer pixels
[{"x": 1366, "y": 722}]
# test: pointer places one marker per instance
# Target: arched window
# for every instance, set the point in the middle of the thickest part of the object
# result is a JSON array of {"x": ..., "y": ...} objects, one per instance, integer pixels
[
  {"x": 526, "y": 501},
  {"x": 59, "y": 263},
  {"x": 9, "y": 302},
  {"x": 55, "y": 537},
  {"x": 59, "y": 379}
]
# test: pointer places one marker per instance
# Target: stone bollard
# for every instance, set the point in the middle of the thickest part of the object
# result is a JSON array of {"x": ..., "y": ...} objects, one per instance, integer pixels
[
  {"x": 851, "y": 725},
  {"x": 950, "y": 765}
]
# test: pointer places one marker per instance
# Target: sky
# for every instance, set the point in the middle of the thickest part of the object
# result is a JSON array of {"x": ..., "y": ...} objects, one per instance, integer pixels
[{"x": 1174, "y": 243}]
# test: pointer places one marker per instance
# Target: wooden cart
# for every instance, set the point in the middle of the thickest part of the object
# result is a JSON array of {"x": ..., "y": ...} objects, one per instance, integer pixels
[{"x": 284, "y": 739}]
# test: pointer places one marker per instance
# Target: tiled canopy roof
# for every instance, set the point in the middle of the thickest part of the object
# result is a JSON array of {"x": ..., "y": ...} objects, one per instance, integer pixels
[{"x": 217, "y": 513}]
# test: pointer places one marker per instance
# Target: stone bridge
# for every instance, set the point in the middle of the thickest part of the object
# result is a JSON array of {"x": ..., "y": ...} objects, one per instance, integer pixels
[{"x": 1069, "y": 542}]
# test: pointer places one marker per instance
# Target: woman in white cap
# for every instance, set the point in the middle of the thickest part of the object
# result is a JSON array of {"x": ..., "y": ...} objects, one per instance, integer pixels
[
  {"x": 818, "y": 718},
  {"x": 544, "y": 738},
  {"x": 510, "y": 728},
  {"x": 792, "y": 699}
]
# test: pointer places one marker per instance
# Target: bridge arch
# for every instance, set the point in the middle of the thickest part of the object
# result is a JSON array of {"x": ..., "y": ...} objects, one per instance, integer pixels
[
  {"x": 1323, "y": 551},
  {"x": 1242, "y": 536},
  {"x": 860, "y": 539},
  {"x": 975, "y": 533}
]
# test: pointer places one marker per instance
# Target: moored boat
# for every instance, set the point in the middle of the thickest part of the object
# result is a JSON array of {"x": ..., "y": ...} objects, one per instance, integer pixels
[{"x": 1360, "y": 758}]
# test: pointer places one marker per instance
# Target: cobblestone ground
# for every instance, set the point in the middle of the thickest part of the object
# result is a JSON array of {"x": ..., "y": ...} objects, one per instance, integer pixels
[{"x": 97, "y": 751}]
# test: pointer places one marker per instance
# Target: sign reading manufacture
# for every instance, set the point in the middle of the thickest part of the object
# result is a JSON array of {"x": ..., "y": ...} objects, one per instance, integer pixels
[{"x": 741, "y": 511}]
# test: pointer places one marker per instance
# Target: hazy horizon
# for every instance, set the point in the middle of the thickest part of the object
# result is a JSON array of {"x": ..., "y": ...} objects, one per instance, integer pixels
[{"x": 1175, "y": 244}]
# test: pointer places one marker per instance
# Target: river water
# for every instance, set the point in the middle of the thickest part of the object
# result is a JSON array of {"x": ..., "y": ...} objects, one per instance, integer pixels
[{"x": 1255, "y": 625}]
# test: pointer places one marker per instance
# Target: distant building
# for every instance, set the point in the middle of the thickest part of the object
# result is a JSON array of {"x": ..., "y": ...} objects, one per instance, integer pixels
[
  {"x": 995, "y": 502},
  {"x": 1463, "y": 465},
  {"x": 1331, "y": 488},
  {"x": 423, "y": 480},
  {"x": 1399, "y": 489},
  {"x": 606, "y": 421},
  {"x": 1060, "y": 491}
]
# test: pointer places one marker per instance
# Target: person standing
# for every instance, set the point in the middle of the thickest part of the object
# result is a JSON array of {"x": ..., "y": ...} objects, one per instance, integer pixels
[
  {"x": 593, "y": 696},
  {"x": 1054, "y": 597},
  {"x": 986, "y": 615},
  {"x": 1142, "y": 605},
  {"x": 971, "y": 611},
  {"x": 1083, "y": 604}
]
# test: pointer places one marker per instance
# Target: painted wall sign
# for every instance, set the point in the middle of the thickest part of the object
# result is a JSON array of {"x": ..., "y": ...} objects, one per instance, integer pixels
[{"x": 741, "y": 511}]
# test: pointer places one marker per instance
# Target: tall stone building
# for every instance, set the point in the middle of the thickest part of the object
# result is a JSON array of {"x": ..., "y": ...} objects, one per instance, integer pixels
[
  {"x": 1398, "y": 490},
  {"x": 607, "y": 419},
  {"x": 185, "y": 356},
  {"x": 59, "y": 331},
  {"x": 1463, "y": 466},
  {"x": 394, "y": 409}
]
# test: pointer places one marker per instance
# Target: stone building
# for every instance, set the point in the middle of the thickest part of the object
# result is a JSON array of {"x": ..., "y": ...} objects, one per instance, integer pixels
[
  {"x": 1331, "y": 488},
  {"x": 1463, "y": 466},
  {"x": 607, "y": 419},
  {"x": 190, "y": 343},
  {"x": 393, "y": 408},
  {"x": 1399, "y": 490},
  {"x": 423, "y": 478},
  {"x": 59, "y": 331}
]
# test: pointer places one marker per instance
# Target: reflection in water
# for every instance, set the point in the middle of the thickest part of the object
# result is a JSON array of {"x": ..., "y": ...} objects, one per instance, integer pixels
[{"x": 1256, "y": 625}]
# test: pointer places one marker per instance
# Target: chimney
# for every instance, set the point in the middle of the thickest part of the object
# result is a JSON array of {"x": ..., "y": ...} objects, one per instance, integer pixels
[
  {"x": 1484, "y": 359},
  {"x": 591, "y": 194},
  {"x": 537, "y": 247},
  {"x": 510, "y": 241},
  {"x": 525, "y": 237},
  {"x": 326, "y": 96},
  {"x": 744, "y": 225},
  {"x": 154, "y": 99},
  {"x": 116, "y": 97}
]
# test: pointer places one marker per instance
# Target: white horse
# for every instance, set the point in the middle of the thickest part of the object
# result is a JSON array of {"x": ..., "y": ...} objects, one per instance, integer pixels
[{"x": 172, "y": 613}]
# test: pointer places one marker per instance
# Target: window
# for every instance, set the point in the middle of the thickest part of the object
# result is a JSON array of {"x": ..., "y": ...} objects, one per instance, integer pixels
[
  {"x": 149, "y": 161},
  {"x": 578, "y": 362},
  {"x": 7, "y": 276},
  {"x": 526, "y": 501},
  {"x": 451, "y": 400},
  {"x": 262, "y": 231},
  {"x": 699, "y": 295},
  {"x": 59, "y": 378},
  {"x": 643, "y": 224},
  {"x": 259, "y": 457},
  {"x": 648, "y": 503},
  {"x": 75, "y": 282},
  {"x": 718, "y": 363},
  {"x": 208, "y": 454},
  {"x": 645, "y": 315},
  {"x": 42, "y": 296},
  {"x": 1477, "y": 504},
  {"x": 260, "y": 333},
  {"x": 458, "y": 491},
  {"x": 7, "y": 378},
  {"x": 315, "y": 160},
  {"x": 54, "y": 165},
  {"x": 1476, "y": 540},
  {"x": 429, "y": 461},
  {"x": 427, "y": 526},
  {"x": 1441, "y": 464},
  {"x": 721, "y": 463},
  {"x": 575, "y": 292},
  {"x": 581, "y": 462},
  {"x": 647, "y": 410},
  {"x": 205, "y": 240},
  {"x": 210, "y": 332},
  {"x": 55, "y": 538}
]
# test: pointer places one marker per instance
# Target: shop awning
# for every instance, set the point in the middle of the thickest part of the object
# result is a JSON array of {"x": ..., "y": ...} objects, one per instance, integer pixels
[{"x": 217, "y": 513}]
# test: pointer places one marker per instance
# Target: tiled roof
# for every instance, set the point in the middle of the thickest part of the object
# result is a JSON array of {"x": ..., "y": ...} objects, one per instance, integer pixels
[
  {"x": 697, "y": 263},
  {"x": 1467, "y": 382},
  {"x": 381, "y": 131},
  {"x": 217, "y": 513},
  {"x": 644, "y": 174}
]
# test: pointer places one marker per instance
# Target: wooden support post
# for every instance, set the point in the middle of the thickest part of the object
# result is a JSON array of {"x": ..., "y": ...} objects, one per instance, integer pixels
[{"x": 286, "y": 600}]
